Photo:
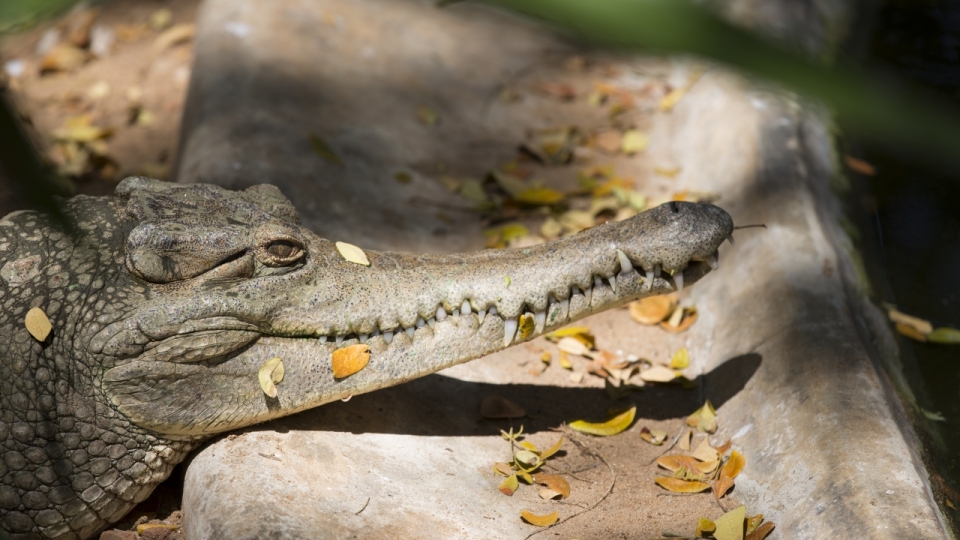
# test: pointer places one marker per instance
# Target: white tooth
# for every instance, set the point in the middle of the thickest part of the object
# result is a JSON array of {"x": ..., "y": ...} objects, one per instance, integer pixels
[
  {"x": 432, "y": 322},
  {"x": 613, "y": 283},
  {"x": 564, "y": 309},
  {"x": 409, "y": 331},
  {"x": 539, "y": 317},
  {"x": 588, "y": 294},
  {"x": 322, "y": 339},
  {"x": 339, "y": 340},
  {"x": 420, "y": 322},
  {"x": 678, "y": 280},
  {"x": 730, "y": 238},
  {"x": 597, "y": 282},
  {"x": 493, "y": 310},
  {"x": 509, "y": 331},
  {"x": 388, "y": 337},
  {"x": 455, "y": 317},
  {"x": 713, "y": 262},
  {"x": 648, "y": 283},
  {"x": 625, "y": 264},
  {"x": 465, "y": 308},
  {"x": 363, "y": 337},
  {"x": 441, "y": 313},
  {"x": 480, "y": 315}
]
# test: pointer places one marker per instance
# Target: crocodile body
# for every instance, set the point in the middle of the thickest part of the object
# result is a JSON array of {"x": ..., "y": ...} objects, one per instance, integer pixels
[{"x": 166, "y": 299}]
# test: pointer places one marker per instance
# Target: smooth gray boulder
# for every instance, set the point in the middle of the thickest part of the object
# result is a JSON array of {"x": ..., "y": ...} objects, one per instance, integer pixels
[{"x": 786, "y": 345}]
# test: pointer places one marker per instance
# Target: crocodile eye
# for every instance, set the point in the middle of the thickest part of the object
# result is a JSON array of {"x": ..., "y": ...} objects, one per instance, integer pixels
[{"x": 282, "y": 252}]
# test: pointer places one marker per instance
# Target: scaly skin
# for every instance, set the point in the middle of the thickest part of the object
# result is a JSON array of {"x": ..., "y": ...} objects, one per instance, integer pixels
[{"x": 169, "y": 298}]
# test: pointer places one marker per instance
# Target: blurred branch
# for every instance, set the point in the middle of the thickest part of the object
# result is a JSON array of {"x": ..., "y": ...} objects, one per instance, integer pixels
[{"x": 876, "y": 107}]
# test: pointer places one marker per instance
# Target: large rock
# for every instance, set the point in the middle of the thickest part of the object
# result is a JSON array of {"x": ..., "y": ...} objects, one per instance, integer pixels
[{"x": 786, "y": 344}]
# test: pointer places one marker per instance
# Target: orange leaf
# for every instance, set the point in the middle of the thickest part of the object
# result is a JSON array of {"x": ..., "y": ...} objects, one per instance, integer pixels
[
  {"x": 653, "y": 309},
  {"x": 677, "y": 485},
  {"x": 728, "y": 472},
  {"x": 859, "y": 165},
  {"x": 722, "y": 449},
  {"x": 761, "y": 532},
  {"x": 539, "y": 521},
  {"x": 349, "y": 360},
  {"x": 554, "y": 482}
]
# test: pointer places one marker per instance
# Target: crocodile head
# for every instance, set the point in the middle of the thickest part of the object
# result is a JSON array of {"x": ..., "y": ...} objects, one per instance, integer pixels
[
  {"x": 233, "y": 280},
  {"x": 170, "y": 298}
]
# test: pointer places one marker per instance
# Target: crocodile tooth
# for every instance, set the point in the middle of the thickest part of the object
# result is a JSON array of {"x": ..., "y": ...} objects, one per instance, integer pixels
[
  {"x": 625, "y": 264},
  {"x": 678, "y": 281},
  {"x": 339, "y": 340},
  {"x": 432, "y": 322},
  {"x": 713, "y": 261},
  {"x": 420, "y": 322},
  {"x": 376, "y": 332},
  {"x": 539, "y": 318},
  {"x": 322, "y": 339},
  {"x": 441, "y": 313},
  {"x": 465, "y": 308},
  {"x": 509, "y": 331},
  {"x": 409, "y": 332},
  {"x": 480, "y": 315},
  {"x": 493, "y": 310},
  {"x": 656, "y": 270},
  {"x": 363, "y": 337},
  {"x": 730, "y": 238},
  {"x": 649, "y": 281},
  {"x": 564, "y": 309},
  {"x": 612, "y": 280},
  {"x": 597, "y": 282},
  {"x": 588, "y": 294},
  {"x": 455, "y": 317},
  {"x": 388, "y": 336}
]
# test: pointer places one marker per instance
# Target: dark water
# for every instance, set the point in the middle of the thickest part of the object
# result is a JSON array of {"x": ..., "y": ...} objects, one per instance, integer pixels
[{"x": 912, "y": 223}]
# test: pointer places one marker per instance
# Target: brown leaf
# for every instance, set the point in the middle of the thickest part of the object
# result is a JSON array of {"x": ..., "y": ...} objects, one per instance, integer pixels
[
  {"x": 860, "y": 166},
  {"x": 705, "y": 452},
  {"x": 553, "y": 482},
  {"x": 920, "y": 325},
  {"x": 674, "y": 463},
  {"x": 500, "y": 407},
  {"x": 754, "y": 522},
  {"x": 38, "y": 324},
  {"x": 910, "y": 332},
  {"x": 177, "y": 34},
  {"x": 608, "y": 141},
  {"x": 761, "y": 532},
  {"x": 653, "y": 436},
  {"x": 688, "y": 317},
  {"x": 653, "y": 309},
  {"x": 349, "y": 360},
  {"x": 704, "y": 419},
  {"x": 539, "y": 521},
  {"x": 722, "y": 449},
  {"x": 502, "y": 468},
  {"x": 677, "y": 485},
  {"x": 728, "y": 472}
]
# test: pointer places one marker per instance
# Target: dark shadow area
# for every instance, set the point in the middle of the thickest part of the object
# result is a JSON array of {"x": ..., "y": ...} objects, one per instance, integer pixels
[{"x": 437, "y": 405}]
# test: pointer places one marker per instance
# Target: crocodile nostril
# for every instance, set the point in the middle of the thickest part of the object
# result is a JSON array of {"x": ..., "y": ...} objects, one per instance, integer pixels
[{"x": 674, "y": 207}]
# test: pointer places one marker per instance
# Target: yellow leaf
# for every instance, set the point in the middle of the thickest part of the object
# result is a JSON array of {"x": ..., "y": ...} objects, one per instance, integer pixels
[
  {"x": 684, "y": 443},
  {"x": 527, "y": 460},
  {"x": 615, "y": 425},
  {"x": 658, "y": 374},
  {"x": 570, "y": 331},
  {"x": 143, "y": 527},
  {"x": 322, "y": 149},
  {"x": 565, "y": 360},
  {"x": 704, "y": 419},
  {"x": 539, "y": 196},
  {"x": 634, "y": 141},
  {"x": 473, "y": 190},
  {"x": 553, "y": 449},
  {"x": 674, "y": 463},
  {"x": 920, "y": 325},
  {"x": 509, "y": 485},
  {"x": 38, "y": 324},
  {"x": 704, "y": 525},
  {"x": 525, "y": 476},
  {"x": 705, "y": 452},
  {"x": 539, "y": 521},
  {"x": 653, "y": 309},
  {"x": 352, "y": 253},
  {"x": 910, "y": 332},
  {"x": 667, "y": 170},
  {"x": 530, "y": 446},
  {"x": 653, "y": 436},
  {"x": 570, "y": 345},
  {"x": 761, "y": 532},
  {"x": 945, "y": 335},
  {"x": 546, "y": 357},
  {"x": 753, "y": 523},
  {"x": 551, "y": 229},
  {"x": 677, "y": 485},
  {"x": 681, "y": 359},
  {"x": 555, "y": 483},
  {"x": 730, "y": 525},
  {"x": 349, "y": 360},
  {"x": 270, "y": 374}
]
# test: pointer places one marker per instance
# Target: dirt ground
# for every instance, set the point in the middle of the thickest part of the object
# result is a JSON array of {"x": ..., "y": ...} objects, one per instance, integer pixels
[{"x": 102, "y": 118}]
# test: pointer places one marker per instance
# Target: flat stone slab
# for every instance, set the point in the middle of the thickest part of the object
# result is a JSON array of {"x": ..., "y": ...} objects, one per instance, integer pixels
[{"x": 785, "y": 346}]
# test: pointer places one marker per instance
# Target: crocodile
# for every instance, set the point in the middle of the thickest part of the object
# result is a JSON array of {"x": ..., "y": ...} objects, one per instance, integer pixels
[{"x": 165, "y": 301}]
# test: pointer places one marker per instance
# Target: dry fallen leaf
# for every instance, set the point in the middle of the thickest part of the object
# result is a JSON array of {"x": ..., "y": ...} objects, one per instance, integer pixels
[
  {"x": 653, "y": 436},
  {"x": 539, "y": 521},
  {"x": 63, "y": 57},
  {"x": 608, "y": 141},
  {"x": 704, "y": 419},
  {"x": 684, "y": 443},
  {"x": 143, "y": 527},
  {"x": 654, "y": 309},
  {"x": 349, "y": 360},
  {"x": 546, "y": 357},
  {"x": 500, "y": 407},
  {"x": 674, "y": 463},
  {"x": 859, "y": 165},
  {"x": 728, "y": 472},
  {"x": 677, "y": 485},
  {"x": 722, "y": 449},
  {"x": 509, "y": 485},
  {"x": 270, "y": 374},
  {"x": 761, "y": 532},
  {"x": 634, "y": 141},
  {"x": 615, "y": 425},
  {"x": 527, "y": 460},
  {"x": 945, "y": 335},
  {"x": 667, "y": 170},
  {"x": 38, "y": 324},
  {"x": 175, "y": 35},
  {"x": 661, "y": 374},
  {"x": 705, "y": 452},
  {"x": 685, "y": 317},
  {"x": 352, "y": 253},
  {"x": 920, "y": 325},
  {"x": 571, "y": 345},
  {"x": 680, "y": 359},
  {"x": 553, "y": 482},
  {"x": 552, "y": 450},
  {"x": 561, "y": 91},
  {"x": 565, "y": 360},
  {"x": 704, "y": 525},
  {"x": 730, "y": 525},
  {"x": 539, "y": 196},
  {"x": 502, "y": 468}
]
